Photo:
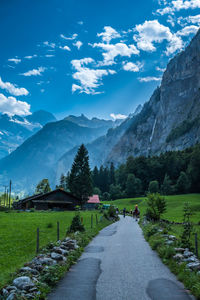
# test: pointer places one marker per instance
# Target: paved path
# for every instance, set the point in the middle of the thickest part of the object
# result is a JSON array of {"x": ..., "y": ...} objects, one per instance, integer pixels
[{"x": 119, "y": 265}]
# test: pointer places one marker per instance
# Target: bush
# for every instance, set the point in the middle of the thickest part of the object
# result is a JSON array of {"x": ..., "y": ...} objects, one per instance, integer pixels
[
  {"x": 156, "y": 206},
  {"x": 76, "y": 224}
]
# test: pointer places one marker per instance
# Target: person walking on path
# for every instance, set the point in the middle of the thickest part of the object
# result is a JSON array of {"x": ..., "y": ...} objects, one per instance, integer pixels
[
  {"x": 136, "y": 212},
  {"x": 124, "y": 212}
]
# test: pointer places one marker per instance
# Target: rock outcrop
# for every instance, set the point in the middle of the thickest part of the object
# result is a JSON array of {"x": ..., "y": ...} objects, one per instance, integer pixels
[{"x": 171, "y": 118}]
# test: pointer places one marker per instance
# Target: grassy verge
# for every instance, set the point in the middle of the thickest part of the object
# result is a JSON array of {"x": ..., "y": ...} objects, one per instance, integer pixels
[
  {"x": 190, "y": 279},
  {"x": 49, "y": 281},
  {"x": 18, "y": 236},
  {"x": 174, "y": 212}
]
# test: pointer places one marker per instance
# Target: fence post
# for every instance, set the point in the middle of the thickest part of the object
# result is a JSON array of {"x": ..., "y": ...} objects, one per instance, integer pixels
[
  {"x": 91, "y": 220},
  {"x": 58, "y": 231},
  {"x": 38, "y": 240},
  {"x": 96, "y": 220},
  {"x": 196, "y": 245}
]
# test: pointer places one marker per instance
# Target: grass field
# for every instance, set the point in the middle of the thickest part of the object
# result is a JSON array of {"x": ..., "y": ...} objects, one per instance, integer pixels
[
  {"x": 174, "y": 203},
  {"x": 18, "y": 236},
  {"x": 174, "y": 211}
]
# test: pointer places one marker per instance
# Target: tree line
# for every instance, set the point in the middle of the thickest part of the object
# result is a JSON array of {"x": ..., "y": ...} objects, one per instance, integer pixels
[{"x": 172, "y": 172}]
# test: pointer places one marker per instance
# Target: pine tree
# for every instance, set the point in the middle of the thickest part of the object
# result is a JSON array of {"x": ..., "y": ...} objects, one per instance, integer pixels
[
  {"x": 80, "y": 181},
  {"x": 166, "y": 187},
  {"x": 183, "y": 183},
  {"x": 43, "y": 187},
  {"x": 112, "y": 174},
  {"x": 62, "y": 181},
  {"x": 130, "y": 186},
  {"x": 95, "y": 176}
]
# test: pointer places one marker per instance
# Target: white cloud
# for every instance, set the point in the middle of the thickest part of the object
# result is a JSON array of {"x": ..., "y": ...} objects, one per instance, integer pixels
[
  {"x": 118, "y": 116},
  {"x": 13, "y": 89},
  {"x": 12, "y": 106},
  {"x": 178, "y": 5},
  {"x": 89, "y": 79},
  {"x": 30, "y": 56},
  {"x": 50, "y": 45},
  {"x": 187, "y": 4},
  {"x": 151, "y": 32},
  {"x": 108, "y": 34},
  {"x": 175, "y": 44},
  {"x": 49, "y": 55},
  {"x": 80, "y": 22},
  {"x": 160, "y": 69},
  {"x": 65, "y": 48},
  {"x": 78, "y": 44},
  {"x": 15, "y": 60},
  {"x": 132, "y": 67},
  {"x": 34, "y": 72},
  {"x": 189, "y": 20},
  {"x": 149, "y": 79},
  {"x": 73, "y": 37},
  {"x": 114, "y": 50},
  {"x": 192, "y": 29}
]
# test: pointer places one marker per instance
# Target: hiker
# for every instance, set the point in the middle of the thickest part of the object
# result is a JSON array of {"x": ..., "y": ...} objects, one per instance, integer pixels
[
  {"x": 136, "y": 212},
  {"x": 124, "y": 212},
  {"x": 117, "y": 210}
]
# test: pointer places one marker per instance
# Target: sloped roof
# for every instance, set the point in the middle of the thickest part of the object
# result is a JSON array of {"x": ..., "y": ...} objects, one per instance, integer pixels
[
  {"x": 94, "y": 199},
  {"x": 38, "y": 196}
]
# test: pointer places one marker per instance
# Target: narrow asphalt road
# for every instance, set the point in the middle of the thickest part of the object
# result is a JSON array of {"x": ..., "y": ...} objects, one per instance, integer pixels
[{"x": 119, "y": 265}]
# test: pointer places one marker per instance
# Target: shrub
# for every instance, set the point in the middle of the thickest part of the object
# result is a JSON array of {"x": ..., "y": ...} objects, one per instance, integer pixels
[
  {"x": 76, "y": 224},
  {"x": 156, "y": 206}
]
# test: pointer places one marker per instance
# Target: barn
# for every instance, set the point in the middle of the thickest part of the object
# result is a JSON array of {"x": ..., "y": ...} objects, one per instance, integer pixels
[{"x": 56, "y": 200}]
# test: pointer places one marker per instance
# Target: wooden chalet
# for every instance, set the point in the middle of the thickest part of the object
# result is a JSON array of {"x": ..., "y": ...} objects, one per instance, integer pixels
[{"x": 55, "y": 200}]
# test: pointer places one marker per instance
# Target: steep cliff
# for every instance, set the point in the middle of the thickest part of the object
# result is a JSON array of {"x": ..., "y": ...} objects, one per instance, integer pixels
[{"x": 171, "y": 118}]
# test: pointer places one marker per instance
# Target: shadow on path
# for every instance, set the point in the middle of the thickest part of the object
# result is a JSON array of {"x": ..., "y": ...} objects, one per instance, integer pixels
[
  {"x": 164, "y": 289},
  {"x": 80, "y": 281}
]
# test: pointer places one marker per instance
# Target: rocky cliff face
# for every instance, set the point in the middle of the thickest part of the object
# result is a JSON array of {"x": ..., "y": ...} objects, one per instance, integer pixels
[{"x": 171, "y": 118}]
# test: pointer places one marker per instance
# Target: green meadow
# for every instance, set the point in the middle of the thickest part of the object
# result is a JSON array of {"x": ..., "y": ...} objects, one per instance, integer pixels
[
  {"x": 174, "y": 212},
  {"x": 18, "y": 235},
  {"x": 174, "y": 203}
]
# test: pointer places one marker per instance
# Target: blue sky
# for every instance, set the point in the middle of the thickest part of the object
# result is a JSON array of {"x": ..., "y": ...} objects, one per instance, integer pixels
[{"x": 93, "y": 57}]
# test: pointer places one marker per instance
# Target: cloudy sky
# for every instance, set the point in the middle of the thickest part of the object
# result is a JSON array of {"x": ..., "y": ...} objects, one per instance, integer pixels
[{"x": 99, "y": 58}]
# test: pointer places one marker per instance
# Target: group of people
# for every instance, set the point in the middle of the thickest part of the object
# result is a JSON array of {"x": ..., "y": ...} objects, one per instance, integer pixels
[{"x": 135, "y": 213}]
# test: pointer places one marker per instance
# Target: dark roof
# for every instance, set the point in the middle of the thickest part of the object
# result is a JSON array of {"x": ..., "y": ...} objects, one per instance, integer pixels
[{"x": 37, "y": 196}]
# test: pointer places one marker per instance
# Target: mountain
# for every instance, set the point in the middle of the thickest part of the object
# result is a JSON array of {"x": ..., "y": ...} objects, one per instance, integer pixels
[
  {"x": 41, "y": 117},
  {"x": 171, "y": 118},
  {"x": 35, "y": 159},
  {"x": 15, "y": 130},
  {"x": 93, "y": 123},
  {"x": 98, "y": 149}
]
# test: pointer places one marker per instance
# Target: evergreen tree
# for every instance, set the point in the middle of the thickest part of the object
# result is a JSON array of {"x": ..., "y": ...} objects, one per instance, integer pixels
[
  {"x": 166, "y": 187},
  {"x": 153, "y": 186},
  {"x": 130, "y": 186},
  {"x": 43, "y": 187},
  {"x": 95, "y": 176},
  {"x": 62, "y": 181},
  {"x": 115, "y": 191},
  {"x": 183, "y": 183},
  {"x": 138, "y": 186},
  {"x": 80, "y": 181},
  {"x": 112, "y": 174}
]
